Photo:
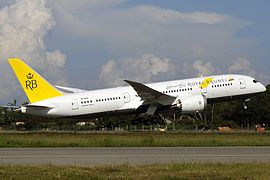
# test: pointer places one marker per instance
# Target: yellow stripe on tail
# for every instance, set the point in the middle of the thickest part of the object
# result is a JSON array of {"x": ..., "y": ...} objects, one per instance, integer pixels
[{"x": 35, "y": 87}]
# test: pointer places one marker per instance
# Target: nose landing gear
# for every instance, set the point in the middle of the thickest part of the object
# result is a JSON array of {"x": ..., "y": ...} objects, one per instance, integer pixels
[{"x": 244, "y": 103}]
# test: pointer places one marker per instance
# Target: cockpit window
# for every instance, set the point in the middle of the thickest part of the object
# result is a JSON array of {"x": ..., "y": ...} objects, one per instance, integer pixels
[{"x": 255, "y": 81}]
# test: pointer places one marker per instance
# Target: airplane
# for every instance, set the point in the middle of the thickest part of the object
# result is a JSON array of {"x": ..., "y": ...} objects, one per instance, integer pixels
[{"x": 187, "y": 96}]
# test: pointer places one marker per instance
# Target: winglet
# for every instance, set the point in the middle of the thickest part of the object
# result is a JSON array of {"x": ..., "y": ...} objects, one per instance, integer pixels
[{"x": 35, "y": 86}]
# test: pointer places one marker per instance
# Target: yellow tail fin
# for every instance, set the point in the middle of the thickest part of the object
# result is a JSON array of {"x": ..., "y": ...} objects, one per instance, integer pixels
[{"x": 35, "y": 87}]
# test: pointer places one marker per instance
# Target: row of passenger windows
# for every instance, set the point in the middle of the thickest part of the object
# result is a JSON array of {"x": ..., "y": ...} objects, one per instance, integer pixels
[
  {"x": 108, "y": 99},
  {"x": 100, "y": 100},
  {"x": 190, "y": 89},
  {"x": 86, "y": 102},
  {"x": 222, "y": 85},
  {"x": 178, "y": 90}
]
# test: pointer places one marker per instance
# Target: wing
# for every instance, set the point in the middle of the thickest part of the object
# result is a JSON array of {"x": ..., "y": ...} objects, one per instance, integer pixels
[{"x": 150, "y": 95}]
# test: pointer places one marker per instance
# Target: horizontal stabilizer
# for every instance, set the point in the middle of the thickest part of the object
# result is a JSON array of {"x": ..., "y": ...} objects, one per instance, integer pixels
[
  {"x": 38, "y": 106},
  {"x": 31, "y": 107},
  {"x": 69, "y": 89}
]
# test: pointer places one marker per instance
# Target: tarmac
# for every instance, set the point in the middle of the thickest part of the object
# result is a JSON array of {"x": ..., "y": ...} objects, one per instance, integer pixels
[{"x": 131, "y": 155}]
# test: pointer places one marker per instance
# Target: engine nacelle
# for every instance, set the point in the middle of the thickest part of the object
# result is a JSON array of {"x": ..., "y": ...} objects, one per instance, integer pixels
[{"x": 192, "y": 103}]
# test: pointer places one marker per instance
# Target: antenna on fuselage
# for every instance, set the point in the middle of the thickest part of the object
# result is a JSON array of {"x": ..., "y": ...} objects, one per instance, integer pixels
[{"x": 201, "y": 74}]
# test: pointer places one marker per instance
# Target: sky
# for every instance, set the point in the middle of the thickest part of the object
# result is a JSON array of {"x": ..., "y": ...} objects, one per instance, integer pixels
[{"x": 91, "y": 44}]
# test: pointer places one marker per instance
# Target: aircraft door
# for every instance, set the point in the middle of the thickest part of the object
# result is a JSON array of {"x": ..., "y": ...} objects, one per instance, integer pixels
[
  {"x": 74, "y": 104},
  {"x": 126, "y": 97},
  {"x": 242, "y": 83}
]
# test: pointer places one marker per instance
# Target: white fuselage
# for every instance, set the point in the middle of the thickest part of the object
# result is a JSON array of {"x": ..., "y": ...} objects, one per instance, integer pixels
[{"x": 121, "y": 99}]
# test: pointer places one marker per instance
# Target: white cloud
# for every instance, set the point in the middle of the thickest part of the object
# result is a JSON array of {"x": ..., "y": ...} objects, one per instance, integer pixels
[
  {"x": 23, "y": 26},
  {"x": 134, "y": 30},
  {"x": 71, "y": 6},
  {"x": 204, "y": 69},
  {"x": 56, "y": 59},
  {"x": 143, "y": 69},
  {"x": 168, "y": 15},
  {"x": 241, "y": 65}
]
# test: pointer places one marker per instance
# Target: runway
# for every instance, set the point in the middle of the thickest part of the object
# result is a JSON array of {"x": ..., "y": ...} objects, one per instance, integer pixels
[{"x": 130, "y": 155}]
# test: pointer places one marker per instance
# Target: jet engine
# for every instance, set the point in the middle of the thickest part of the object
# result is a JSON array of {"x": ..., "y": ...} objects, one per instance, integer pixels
[{"x": 190, "y": 104}]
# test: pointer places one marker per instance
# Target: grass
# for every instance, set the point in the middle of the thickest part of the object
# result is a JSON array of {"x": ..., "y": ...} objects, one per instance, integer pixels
[
  {"x": 139, "y": 139},
  {"x": 154, "y": 171}
]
